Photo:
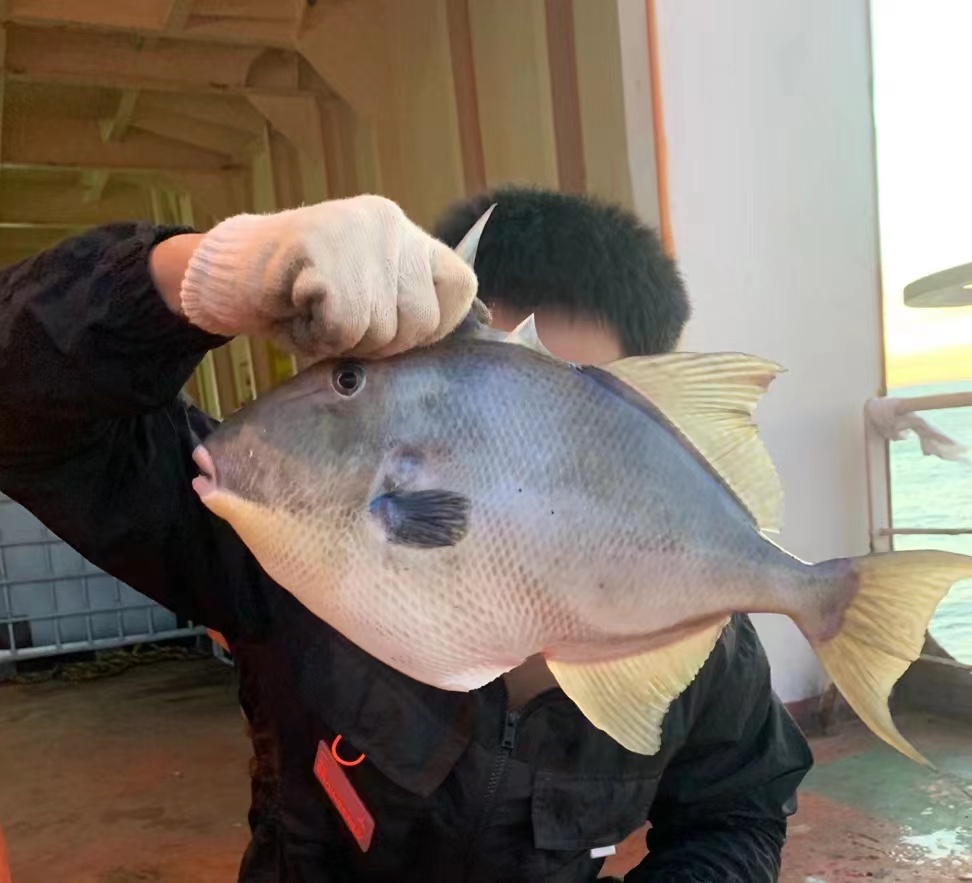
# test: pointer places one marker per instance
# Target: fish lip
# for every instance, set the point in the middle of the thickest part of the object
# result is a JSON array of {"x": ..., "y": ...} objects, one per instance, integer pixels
[{"x": 204, "y": 484}]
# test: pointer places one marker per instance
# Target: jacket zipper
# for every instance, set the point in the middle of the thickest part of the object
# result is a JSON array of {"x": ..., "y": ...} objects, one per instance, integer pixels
[{"x": 506, "y": 746}]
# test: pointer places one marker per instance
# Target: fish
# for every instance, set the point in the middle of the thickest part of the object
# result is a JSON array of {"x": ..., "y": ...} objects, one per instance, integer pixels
[{"x": 458, "y": 509}]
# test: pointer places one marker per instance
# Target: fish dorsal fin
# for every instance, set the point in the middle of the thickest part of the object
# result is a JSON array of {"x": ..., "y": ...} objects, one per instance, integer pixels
[
  {"x": 477, "y": 320},
  {"x": 525, "y": 334},
  {"x": 469, "y": 245},
  {"x": 710, "y": 399}
]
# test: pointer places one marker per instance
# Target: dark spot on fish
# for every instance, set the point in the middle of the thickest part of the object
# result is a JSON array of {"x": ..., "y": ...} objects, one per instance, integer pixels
[{"x": 429, "y": 519}]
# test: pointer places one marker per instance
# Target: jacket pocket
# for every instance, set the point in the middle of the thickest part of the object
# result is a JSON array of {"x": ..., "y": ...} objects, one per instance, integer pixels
[{"x": 573, "y": 814}]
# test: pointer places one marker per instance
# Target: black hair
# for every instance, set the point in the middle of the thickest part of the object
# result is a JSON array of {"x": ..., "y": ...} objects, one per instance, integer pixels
[{"x": 547, "y": 249}]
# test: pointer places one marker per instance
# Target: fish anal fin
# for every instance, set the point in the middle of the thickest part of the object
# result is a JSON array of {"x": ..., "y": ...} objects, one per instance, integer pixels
[
  {"x": 710, "y": 399},
  {"x": 628, "y": 698}
]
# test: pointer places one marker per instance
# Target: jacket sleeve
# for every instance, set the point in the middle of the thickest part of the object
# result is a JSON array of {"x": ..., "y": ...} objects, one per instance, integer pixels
[
  {"x": 721, "y": 808},
  {"x": 95, "y": 439}
]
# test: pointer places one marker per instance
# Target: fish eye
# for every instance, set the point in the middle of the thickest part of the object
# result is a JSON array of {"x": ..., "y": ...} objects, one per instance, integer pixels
[{"x": 347, "y": 379}]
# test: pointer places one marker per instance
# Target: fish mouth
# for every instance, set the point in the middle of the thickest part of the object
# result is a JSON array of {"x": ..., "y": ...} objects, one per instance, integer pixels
[{"x": 204, "y": 484}]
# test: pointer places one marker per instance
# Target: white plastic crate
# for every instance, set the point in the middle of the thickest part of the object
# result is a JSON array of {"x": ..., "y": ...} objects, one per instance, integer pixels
[{"x": 53, "y": 601}]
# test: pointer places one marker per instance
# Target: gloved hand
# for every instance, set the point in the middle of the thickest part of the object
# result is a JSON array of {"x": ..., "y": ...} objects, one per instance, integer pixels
[{"x": 345, "y": 277}]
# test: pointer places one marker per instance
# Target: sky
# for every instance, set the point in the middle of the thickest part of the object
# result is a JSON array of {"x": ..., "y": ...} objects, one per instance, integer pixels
[{"x": 922, "y": 52}]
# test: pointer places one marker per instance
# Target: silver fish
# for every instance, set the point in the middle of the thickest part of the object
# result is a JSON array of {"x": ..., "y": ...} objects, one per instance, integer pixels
[{"x": 459, "y": 509}]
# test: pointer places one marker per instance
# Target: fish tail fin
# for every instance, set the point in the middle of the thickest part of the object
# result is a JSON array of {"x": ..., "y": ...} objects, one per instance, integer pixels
[{"x": 869, "y": 637}]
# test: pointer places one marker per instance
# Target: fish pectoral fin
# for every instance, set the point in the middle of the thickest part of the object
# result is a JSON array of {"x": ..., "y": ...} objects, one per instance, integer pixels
[
  {"x": 629, "y": 698},
  {"x": 710, "y": 399},
  {"x": 429, "y": 519}
]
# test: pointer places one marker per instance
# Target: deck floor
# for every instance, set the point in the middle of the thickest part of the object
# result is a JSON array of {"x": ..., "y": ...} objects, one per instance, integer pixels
[{"x": 141, "y": 778}]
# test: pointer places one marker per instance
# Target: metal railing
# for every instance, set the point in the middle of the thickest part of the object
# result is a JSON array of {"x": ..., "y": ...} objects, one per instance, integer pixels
[{"x": 882, "y": 527}]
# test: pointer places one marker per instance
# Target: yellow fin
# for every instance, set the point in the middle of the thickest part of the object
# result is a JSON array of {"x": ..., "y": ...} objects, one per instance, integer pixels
[
  {"x": 883, "y": 630},
  {"x": 629, "y": 698},
  {"x": 710, "y": 399}
]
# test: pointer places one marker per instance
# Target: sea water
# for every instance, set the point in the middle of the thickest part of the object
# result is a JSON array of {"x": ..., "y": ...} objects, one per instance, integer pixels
[{"x": 934, "y": 493}]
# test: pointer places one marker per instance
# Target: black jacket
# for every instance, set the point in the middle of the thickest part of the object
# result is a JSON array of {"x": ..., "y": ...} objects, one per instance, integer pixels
[{"x": 96, "y": 442}]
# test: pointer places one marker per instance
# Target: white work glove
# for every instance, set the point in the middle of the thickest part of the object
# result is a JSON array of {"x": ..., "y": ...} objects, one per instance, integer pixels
[{"x": 345, "y": 277}]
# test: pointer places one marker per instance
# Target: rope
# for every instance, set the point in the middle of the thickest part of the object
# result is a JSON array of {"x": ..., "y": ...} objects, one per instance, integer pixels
[{"x": 109, "y": 663}]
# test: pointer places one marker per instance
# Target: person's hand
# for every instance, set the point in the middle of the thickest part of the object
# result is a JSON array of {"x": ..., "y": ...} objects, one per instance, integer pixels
[{"x": 346, "y": 277}]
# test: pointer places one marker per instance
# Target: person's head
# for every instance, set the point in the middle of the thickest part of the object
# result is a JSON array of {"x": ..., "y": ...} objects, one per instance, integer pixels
[{"x": 596, "y": 278}]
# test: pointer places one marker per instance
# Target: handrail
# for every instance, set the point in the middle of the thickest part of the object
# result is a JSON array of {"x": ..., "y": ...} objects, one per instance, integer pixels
[
  {"x": 878, "y": 470},
  {"x": 923, "y": 531},
  {"x": 941, "y": 402}
]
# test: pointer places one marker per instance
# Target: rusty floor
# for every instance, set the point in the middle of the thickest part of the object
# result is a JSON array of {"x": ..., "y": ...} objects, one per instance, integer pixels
[{"x": 141, "y": 778}]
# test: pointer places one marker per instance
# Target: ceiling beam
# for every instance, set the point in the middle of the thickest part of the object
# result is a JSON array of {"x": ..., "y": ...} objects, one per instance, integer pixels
[
  {"x": 76, "y": 58},
  {"x": 230, "y": 111},
  {"x": 219, "y": 195},
  {"x": 93, "y": 185},
  {"x": 177, "y": 16},
  {"x": 40, "y": 229},
  {"x": 198, "y": 133},
  {"x": 347, "y": 45},
  {"x": 3, "y": 78},
  {"x": 115, "y": 128},
  {"x": 34, "y": 140},
  {"x": 148, "y": 18},
  {"x": 256, "y": 10},
  {"x": 26, "y": 201},
  {"x": 299, "y": 120}
]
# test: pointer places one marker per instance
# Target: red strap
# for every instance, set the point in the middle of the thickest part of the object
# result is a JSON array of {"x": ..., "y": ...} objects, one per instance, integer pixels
[{"x": 346, "y": 800}]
